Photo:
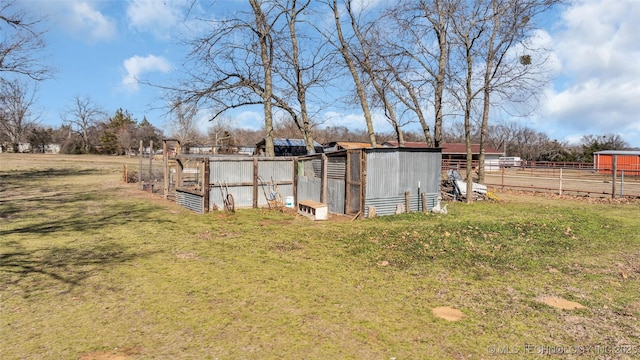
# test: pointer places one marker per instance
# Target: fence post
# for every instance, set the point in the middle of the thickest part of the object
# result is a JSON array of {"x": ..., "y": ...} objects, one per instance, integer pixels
[
  {"x": 621, "y": 183},
  {"x": 206, "y": 191},
  {"x": 255, "y": 184},
  {"x": 324, "y": 186},
  {"x": 615, "y": 174},
  {"x": 150, "y": 160},
  {"x": 165, "y": 165},
  {"x": 407, "y": 201},
  {"x": 560, "y": 191},
  {"x": 140, "y": 167}
]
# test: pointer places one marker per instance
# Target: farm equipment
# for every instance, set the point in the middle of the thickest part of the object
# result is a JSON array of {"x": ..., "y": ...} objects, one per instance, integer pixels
[
  {"x": 454, "y": 187},
  {"x": 227, "y": 198},
  {"x": 274, "y": 197}
]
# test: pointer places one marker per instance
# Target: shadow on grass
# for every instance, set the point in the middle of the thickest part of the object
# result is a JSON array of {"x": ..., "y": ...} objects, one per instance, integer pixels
[
  {"x": 60, "y": 268},
  {"x": 23, "y": 178},
  {"x": 37, "y": 224}
]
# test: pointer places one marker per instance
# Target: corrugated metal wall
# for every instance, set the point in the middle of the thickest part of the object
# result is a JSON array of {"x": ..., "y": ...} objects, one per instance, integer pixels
[
  {"x": 190, "y": 201},
  {"x": 336, "y": 176},
  {"x": 309, "y": 179},
  {"x": 392, "y": 173},
  {"x": 238, "y": 174}
]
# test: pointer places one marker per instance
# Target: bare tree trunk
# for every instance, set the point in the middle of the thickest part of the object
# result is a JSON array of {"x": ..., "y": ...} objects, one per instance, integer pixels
[
  {"x": 467, "y": 124},
  {"x": 301, "y": 92},
  {"x": 362, "y": 96},
  {"x": 266, "y": 53},
  {"x": 440, "y": 29}
]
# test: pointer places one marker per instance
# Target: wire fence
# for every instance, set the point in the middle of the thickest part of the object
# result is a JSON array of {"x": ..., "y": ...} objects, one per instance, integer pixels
[{"x": 571, "y": 181}]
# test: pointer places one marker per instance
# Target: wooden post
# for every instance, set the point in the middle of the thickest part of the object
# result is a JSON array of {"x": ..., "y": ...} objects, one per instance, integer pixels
[
  {"x": 560, "y": 189},
  {"x": 295, "y": 180},
  {"x": 614, "y": 174},
  {"x": 425, "y": 206},
  {"x": 347, "y": 183},
  {"x": 140, "y": 169},
  {"x": 363, "y": 177},
  {"x": 255, "y": 183},
  {"x": 150, "y": 160},
  {"x": 165, "y": 165},
  {"x": 407, "y": 201},
  {"x": 325, "y": 173},
  {"x": 205, "y": 184},
  {"x": 179, "y": 169}
]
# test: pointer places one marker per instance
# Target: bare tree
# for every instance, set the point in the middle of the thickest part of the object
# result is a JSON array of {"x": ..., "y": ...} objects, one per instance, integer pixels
[
  {"x": 232, "y": 65},
  {"x": 469, "y": 24},
  {"x": 369, "y": 54},
  {"x": 182, "y": 125},
  {"x": 303, "y": 62},
  {"x": 21, "y": 44},
  {"x": 16, "y": 117},
  {"x": 507, "y": 74},
  {"x": 422, "y": 53},
  {"x": 82, "y": 117},
  {"x": 348, "y": 56}
]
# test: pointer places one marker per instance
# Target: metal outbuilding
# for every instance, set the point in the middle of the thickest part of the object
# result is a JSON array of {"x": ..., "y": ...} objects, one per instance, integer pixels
[
  {"x": 623, "y": 161},
  {"x": 351, "y": 182}
]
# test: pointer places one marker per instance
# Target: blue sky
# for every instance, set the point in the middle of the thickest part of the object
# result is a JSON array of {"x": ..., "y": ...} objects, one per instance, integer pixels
[{"x": 100, "y": 48}]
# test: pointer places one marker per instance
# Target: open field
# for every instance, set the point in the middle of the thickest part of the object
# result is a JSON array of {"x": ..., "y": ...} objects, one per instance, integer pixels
[{"x": 91, "y": 268}]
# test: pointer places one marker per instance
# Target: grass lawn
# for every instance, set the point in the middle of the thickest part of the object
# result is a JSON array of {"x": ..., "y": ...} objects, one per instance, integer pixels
[{"x": 91, "y": 268}]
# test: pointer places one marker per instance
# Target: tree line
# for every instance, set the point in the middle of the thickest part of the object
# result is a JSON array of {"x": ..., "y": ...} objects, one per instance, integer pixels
[{"x": 446, "y": 65}]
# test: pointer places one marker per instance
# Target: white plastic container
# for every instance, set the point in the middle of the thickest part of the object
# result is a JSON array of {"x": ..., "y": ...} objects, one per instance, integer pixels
[{"x": 288, "y": 202}]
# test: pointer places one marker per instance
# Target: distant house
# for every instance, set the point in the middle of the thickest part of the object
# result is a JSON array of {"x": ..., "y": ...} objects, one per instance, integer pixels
[
  {"x": 455, "y": 152},
  {"x": 287, "y": 147},
  {"x": 629, "y": 161}
]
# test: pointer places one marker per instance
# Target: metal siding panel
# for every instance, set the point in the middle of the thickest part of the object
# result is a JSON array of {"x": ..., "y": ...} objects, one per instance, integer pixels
[
  {"x": 387, "y": 206},
  {"x": 391, "y": 174},
  {"x": 242, "y": 196},
  {"x": 190, "y": 201},
  {"x": 336, "y": 196},
  {"x": 231, "y": 171},
  {"x": 382, "y": 175},
  {"x": 308, "y": 188},
  {"x": 276, "y": 170},
  {"x": 337, "y": 167}
]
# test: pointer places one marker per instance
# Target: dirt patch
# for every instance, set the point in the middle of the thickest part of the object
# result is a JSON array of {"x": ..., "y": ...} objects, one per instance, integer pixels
[
  {"x": 448, "y": 313},
  {"x": 560, "y": 303}
]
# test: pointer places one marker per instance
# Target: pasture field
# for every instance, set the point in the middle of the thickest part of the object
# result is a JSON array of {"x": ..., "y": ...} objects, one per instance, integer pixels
[{"x": 92, "y": 268}]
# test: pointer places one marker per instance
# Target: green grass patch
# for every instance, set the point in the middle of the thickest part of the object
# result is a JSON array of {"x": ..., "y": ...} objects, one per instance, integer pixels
[{"x": 92, "y": 267}]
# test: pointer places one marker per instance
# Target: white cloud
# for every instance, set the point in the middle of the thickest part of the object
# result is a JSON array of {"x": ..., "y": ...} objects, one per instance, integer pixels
[
  {"x": 599, "y": 52},
  {"x": 83, "y": 19},
  {"x": 137, "y": 65},
  {"x": 158, "y": 18}
]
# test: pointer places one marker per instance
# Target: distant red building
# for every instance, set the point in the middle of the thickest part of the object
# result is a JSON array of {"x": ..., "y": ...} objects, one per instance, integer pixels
[{"x": 627, "y": 161}]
